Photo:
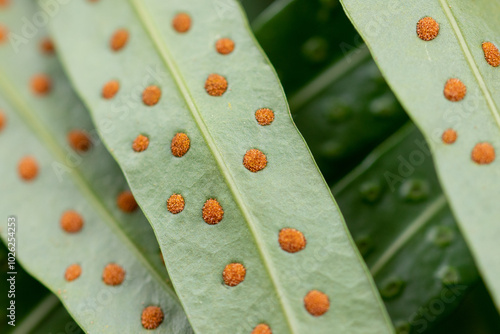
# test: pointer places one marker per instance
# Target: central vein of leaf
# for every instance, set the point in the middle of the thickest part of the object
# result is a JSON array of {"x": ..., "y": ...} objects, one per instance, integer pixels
[
  {"x": 29, "y": 116},
  {"x": 470, "y": 60},
  {"x": 169, "y": 61}
]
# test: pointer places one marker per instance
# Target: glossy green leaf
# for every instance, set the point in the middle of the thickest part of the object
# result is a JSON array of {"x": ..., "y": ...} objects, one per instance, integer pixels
[
  {"x": 417, "y": 71},
  {"x": 288, "y": 193},
  {"x": 37, "y": 126},
  {"x": 406, "y": 232}
]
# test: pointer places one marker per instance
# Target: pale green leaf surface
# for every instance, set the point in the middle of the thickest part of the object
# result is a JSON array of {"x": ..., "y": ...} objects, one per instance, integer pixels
[
  {"x": 417, "y": 72},
  {"x": 88, "y": 183},
  {"x": 289, "y": 192}
]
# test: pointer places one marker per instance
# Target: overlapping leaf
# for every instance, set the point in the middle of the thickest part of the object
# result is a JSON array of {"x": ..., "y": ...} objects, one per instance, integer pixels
[
  {"x": 288, "y": 193},
  {"x": 338, "y": 98},
  {"x": 37, "y": 125},
  {"x": 406, "y": 233},
  {"x": 418, "y": 70}
]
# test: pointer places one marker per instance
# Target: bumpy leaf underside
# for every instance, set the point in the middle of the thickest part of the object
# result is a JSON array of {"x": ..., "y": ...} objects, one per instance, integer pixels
[
  {"x": 418, "y": 69},
  {"x": 288, "y": 192},
  {"x": 37, "y": 125},
  {"x": 406, "y": 232}
]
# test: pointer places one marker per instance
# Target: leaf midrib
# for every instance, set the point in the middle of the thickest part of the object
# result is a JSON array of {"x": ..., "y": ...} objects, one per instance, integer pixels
[
  {"x": 470, "y": 60},
  {"x": 30, "y": 118},
  {"x": 156, "y": 37}
]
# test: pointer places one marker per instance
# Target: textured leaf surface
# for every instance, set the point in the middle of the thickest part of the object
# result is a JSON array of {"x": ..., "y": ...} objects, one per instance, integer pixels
[
  {"x": 288, "y": 193},
  {"x": 338, "y": 98},
  {"x": 406, "y": 233},
  {"x": 37, "y": 126},
  {"x": 352, "y": 111},
  {"x": 418, "y": 70}
]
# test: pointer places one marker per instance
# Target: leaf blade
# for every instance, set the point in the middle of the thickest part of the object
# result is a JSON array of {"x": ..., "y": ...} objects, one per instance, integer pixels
[
  {"x": 475, "y": 118},
  {"x": 88, "y": 183},
  {"x": 219, "y": 171}
]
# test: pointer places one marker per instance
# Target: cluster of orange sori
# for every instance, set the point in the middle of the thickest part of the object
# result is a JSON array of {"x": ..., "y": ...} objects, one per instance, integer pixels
[
  {"x": 71, "y": 221},
  {"x": 455, "y": 90},
  {"x": 254, "y": 160}
]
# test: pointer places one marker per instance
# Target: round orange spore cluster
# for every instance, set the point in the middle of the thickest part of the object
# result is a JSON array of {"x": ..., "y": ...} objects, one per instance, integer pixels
[
  {"x": 47, "y": 46},
  {"x": 110, "y": 89},
  {"x": 180, "y": 144},
  {"x": 449, "y": 136},
  {"x": 264, "y": 116},
  {"x": 254, "y": 160},
  {"x": 119, "y": 39},
  {"x": 79, "y": 140},
  {"x": 3, "y": 120},
  {"x": 427, "y": 29},
  {"x": 113, "y": 274},
  {"x": 175, "y": 203},
  {"x": 41, "y": 84},
  {"x": 483, "y": 153},
  {"x": 71, "y": 221},
  {"x": 152, "y": 317},
  {"x": 4, "y": 32},
  {"x": 72, "y": 272},
  {"x": 224, "y": 46},
  {"x": 491, "y": 54},
  {"x": 455, "y": 90},
  {"x": 140, "y": 143},
  {"x": 27, "y": 168},
  {"x": 4, "y": 3},
  {"x": 126, "y": 201},
  {"x": 291, "y": 240},
  {"x": 212, "y": 212},
  {"x": 262, "y": 329},
  {"x": 316, "y": 303},
  {"x": 181, "y": 22},
  {"x": 151, "y": 95},
  {"x": 234, "y": 274},
  {"x": 216, "y": 85}
]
